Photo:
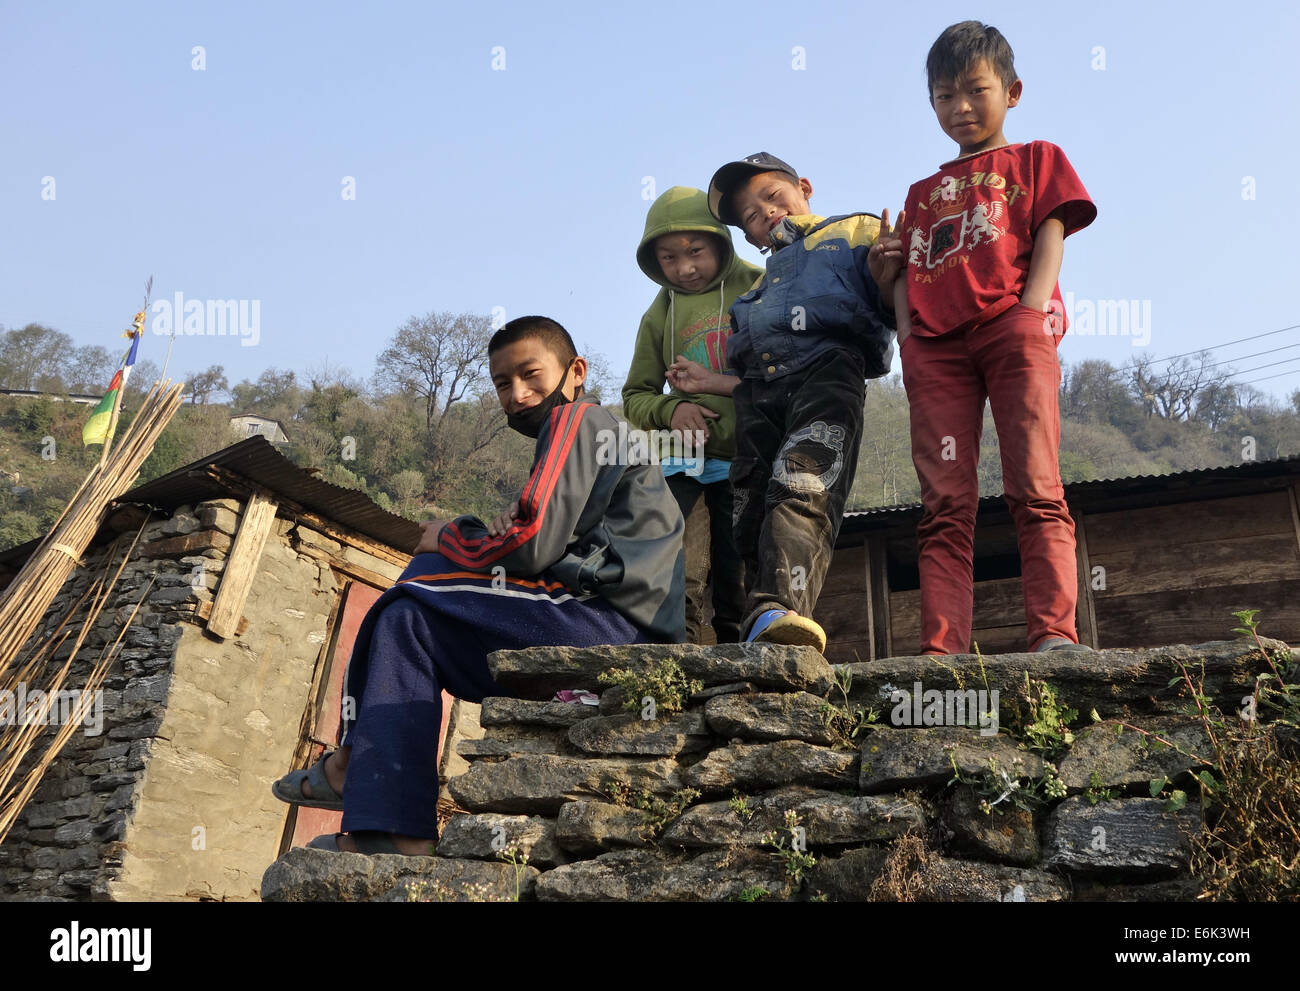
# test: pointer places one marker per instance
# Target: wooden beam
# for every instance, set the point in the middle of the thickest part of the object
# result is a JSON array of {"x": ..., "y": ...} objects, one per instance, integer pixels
[
  {"x": 126, "y": 517},
  {"x": 1295, "y": 512},
  {"x": 189, "y": 543},
  {"x": 345, "y": 536},
  {"x": 1086, "y": 610},
  {"x": 372, "y": 578},
  {"x": 292, "y": 510},
  {"x": 883, "y": 642},
  {"x": 204, "y": 610},
  {"x": 869, "y": 548},
  {"x": 241, "y": 567}
]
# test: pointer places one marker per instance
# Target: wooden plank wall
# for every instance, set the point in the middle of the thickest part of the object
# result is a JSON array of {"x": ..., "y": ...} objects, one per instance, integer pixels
[
  {"x": 843, "y": 609},
  {"x": 1175, "y": 574},
  {"x": 1171, "y": 574},
  {"x": 999, "y": 617}
]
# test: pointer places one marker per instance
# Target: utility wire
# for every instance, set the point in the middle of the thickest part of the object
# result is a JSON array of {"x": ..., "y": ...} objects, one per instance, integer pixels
[
  {"x": 1215, "y": 347},
  {"x": 1271, "y": 364},
  {"x": 1267, "y": 377},
  {"x": 1257, "y": 354}
]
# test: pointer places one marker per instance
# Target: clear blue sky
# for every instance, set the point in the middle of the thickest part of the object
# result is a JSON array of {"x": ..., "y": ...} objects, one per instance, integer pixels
[{"x": 523, "y": 188}]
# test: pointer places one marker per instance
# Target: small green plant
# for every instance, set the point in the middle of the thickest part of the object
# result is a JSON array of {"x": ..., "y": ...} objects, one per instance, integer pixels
[
  {"x": 1097, "y": 791},
  {"x": 739, "y": 804},
  {"x": 1177, "y": 797},
  {"x": 438, "y": 891},
  {"x": 519, "y": 861},
  {"x": 1045, "y": 725},
  {"x": 845, "y": 720},
  {"x": 664, "y": 682},
  {"x": 752, "y": 894},
  {"x": 658, "y": 813},
  {"x": 1248, "y": 848},
  {"x": 1002, "y": 785},
  {"x": 793, "y": 855},
  {"x": 1277, "y": 690}
]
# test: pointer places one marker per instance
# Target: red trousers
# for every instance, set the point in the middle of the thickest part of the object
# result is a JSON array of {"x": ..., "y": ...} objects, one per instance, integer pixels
[{"x": 1012, "y": 362}]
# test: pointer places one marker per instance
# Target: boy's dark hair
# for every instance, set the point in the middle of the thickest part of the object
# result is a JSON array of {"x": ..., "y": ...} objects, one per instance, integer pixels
[
  {"x": 961, "y": 46},
  {"x": 546, "y": 330}
]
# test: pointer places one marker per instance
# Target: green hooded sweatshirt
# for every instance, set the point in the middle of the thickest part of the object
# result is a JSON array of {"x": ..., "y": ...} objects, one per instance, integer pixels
[{"x": 679, "y": 322}]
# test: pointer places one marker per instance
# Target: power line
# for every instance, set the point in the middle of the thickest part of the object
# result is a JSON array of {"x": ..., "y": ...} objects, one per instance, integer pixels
[
  {"x": 1271, "y": 364},
  {"x": 1257, "y": 354},
  {"x": 1215, "y": 347},
  {"x": 1267, "y": 377}
]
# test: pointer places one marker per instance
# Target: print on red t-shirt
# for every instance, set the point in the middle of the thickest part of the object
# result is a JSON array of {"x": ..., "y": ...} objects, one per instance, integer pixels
[{"x": 970, "y": 233}]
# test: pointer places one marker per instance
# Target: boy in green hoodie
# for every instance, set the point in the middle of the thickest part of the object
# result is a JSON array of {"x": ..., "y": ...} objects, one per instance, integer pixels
[{"x": 683, "y": 336}]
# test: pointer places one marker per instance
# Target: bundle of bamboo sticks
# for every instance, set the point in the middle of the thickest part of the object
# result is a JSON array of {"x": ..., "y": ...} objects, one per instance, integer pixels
[
  {"x": 29, "y": 595},
  {"x": 24, "y": 603},
  {"x": 38, "y": 674}
]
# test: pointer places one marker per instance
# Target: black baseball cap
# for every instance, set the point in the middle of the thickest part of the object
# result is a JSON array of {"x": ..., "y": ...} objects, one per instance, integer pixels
[{"x": 731, "y": 175}]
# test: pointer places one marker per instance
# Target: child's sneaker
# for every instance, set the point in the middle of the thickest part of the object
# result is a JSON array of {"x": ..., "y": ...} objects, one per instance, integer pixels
[
  {"x": 788, "y": 627},
  {"x": 577, "y": 696}
]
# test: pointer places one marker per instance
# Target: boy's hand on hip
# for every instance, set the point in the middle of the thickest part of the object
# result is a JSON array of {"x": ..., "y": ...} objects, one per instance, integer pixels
[
  {"x": 885, "y": 258},
  {"x": 692, "y": 417},
  {"x": 430, "y": 530},
  {"x": 503, "y": 522}
]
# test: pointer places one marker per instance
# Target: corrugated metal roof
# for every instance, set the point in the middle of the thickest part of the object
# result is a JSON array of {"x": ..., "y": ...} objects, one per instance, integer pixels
[
  {"x": 257, "y": 460},
  {"x": 1081, "y": 491}
]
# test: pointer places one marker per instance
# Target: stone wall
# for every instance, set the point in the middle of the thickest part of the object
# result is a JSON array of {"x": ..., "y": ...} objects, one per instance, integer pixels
[
  {"x": 722, "y": 800},
  {"x": 172, "y": 800}
]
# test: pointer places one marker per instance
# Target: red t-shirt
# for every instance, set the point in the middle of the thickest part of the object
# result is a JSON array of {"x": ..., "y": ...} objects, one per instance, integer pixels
[{"x": 970, "y": 233}]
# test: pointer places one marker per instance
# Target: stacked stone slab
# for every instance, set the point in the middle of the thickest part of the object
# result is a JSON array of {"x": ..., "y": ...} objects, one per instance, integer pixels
[{"x": 559, "y": 784}]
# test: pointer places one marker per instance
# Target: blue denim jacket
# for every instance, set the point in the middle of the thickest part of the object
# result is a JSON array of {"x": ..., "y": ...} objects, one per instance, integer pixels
[{"x": 817, "y": 295}]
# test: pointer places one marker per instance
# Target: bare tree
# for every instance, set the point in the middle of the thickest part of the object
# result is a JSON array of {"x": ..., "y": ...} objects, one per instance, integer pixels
[
  {"x": 441, "y": 358},
  {"x": 204, "y": 384},
  {"x": 1172, "y": 391},
  {"x": 602, "y": 383}
]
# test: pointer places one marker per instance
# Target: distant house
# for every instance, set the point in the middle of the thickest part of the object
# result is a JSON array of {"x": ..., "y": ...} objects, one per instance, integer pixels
[
  {"x": 1162, "y": 559},
  {"x": 252, "y": 425}
]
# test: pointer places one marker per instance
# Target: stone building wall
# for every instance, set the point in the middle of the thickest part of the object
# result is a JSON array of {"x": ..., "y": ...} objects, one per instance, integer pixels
[{"x": 172, "y": 800}]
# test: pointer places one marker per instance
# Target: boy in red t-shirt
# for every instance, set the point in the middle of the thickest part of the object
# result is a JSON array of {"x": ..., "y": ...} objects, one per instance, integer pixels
[{"x": 979, "y": 246}]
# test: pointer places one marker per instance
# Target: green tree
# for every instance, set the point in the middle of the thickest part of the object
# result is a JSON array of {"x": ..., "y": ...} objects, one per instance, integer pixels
[
  {"x": 204, "y": 384},
  {"x": 407, "y": 487},
  {"x": 33, "y": 353},
  {"x": 18, "y": 527},
  {"x": 89, "y": 369}
]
